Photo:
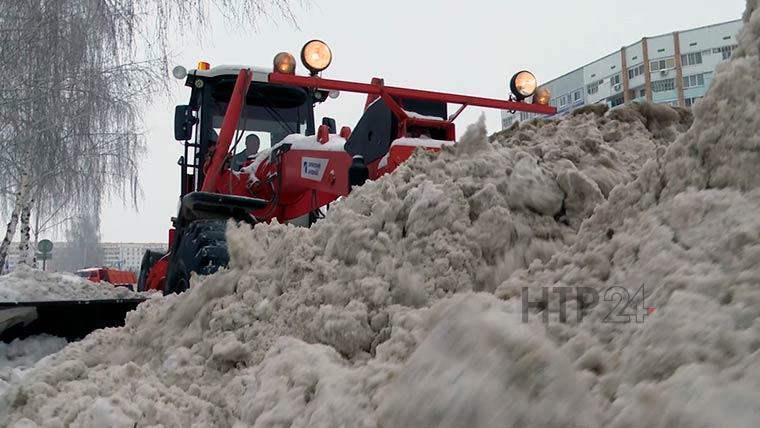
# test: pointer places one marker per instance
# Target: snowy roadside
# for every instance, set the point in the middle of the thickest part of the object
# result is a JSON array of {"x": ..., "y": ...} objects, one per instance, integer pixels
[{"x": 26, "y": 284}]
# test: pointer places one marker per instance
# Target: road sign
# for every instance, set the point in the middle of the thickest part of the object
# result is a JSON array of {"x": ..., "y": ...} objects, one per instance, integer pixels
[
  {"x": 44, "y": 256},
  {"x": 45, "y": 246}
]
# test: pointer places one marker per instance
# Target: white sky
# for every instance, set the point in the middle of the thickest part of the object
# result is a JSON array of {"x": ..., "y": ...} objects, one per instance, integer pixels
[{"x": 468, "y": 47}]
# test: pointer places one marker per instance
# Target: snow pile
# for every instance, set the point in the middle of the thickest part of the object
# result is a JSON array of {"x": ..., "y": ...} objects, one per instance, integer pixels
[
  {"x": 17, "y": 357},
  {"x": 380, "y": 315},
  {"x": 311, "y": 326},
  {"x": 26, "y": 284}
]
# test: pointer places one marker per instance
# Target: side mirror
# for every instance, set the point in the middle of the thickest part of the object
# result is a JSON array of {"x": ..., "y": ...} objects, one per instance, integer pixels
[
  {"x": 330, "y": 122},
  {"x": 183, "y": 123}
]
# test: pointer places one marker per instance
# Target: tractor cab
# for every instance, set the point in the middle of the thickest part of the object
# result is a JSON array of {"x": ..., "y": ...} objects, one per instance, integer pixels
[{"x": 270, "y": 113}]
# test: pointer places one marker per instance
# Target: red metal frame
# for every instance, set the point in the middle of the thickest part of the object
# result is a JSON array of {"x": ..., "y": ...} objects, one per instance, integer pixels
[
  {"x": 229, "y": 126},
  {"x": 379, "y": 89},
  {"x": 294, "y": 195},
  {"x": 389, "y": 94}
]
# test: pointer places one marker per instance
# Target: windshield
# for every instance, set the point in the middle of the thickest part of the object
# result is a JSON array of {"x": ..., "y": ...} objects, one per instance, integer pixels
[{"x": 270, "y": 124}]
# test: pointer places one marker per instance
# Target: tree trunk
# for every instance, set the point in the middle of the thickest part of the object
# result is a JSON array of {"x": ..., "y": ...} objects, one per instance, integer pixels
[
  {"x": 23, "y": 247},
  {"x": 36, "y": 229},
  {"x": 10, "y": 231}
]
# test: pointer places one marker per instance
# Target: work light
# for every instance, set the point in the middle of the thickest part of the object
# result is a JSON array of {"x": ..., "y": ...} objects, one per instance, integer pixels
[
  {"x": 542, "y": 96},
  {"x": 316, "y": 56},
  {"x": 523, "y": 85},
  {"x": 284, "y": 63}
]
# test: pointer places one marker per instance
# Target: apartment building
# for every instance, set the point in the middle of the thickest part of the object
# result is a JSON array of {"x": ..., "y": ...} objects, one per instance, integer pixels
[{"x": 674, "y": 68}]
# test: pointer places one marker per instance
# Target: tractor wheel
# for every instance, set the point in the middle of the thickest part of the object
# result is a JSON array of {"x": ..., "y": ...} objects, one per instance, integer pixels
[
  {"x": 202, "y": 248},
  {"x": 149, "y": 259}
]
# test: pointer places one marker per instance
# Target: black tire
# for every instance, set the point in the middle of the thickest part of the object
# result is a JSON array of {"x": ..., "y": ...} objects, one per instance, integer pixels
[
  {"x": 202, "y": 248},
  {"x": 149, "y": 259}
]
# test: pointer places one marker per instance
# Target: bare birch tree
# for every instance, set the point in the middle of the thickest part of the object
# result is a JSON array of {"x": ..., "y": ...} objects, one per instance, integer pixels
[{"x": 76, "y": 75}]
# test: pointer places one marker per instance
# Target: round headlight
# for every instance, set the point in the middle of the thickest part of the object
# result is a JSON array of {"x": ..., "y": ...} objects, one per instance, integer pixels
[
  {"x": 179, "y": 72},
  {"x": 285, "y": 63},
  {"x": 523, "y": 85},
  {"x": 316, "y": 56},
  {"x": 542, "y": 96}
]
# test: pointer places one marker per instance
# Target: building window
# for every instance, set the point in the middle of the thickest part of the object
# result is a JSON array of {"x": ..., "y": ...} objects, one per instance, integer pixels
[
  {"x": 592, "y": 88},
  {"x": 615, "y": 80},
  {"x": 643, "y": 93},
  {"x": 725, "y": 51},
  {"x": 615, "y": 101},
  {"x": 569, "y": 98},
  {"x": 663, "y": 64},
  {"x": 693, "y": 81},
  {"x": 691, "y": 59},
  {"x": 663, "y": 85},
  {"x": 636, "y": 71}
]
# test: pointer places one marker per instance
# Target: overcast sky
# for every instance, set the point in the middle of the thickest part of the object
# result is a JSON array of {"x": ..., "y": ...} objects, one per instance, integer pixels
[{"x": 469, "y": 47}]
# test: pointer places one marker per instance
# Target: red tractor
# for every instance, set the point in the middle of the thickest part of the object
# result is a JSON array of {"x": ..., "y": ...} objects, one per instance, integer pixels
[{"x": 233, "y": 109}]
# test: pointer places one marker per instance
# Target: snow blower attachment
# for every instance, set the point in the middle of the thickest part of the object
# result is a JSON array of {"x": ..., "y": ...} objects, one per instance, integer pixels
[{"x": 307, "y": 166}]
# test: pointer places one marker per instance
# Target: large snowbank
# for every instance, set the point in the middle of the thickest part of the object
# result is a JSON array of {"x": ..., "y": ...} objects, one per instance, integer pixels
[
  {"x": 383, "y": 313},
  {"x": 26, "y": 284}
]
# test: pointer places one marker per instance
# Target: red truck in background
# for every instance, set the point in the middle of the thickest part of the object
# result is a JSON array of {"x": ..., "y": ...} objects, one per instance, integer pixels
[{"x": 118, "y": 278}]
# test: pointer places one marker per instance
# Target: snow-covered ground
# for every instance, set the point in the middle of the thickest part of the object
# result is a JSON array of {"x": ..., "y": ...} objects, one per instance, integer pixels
[{"x": 404, "y": 306}]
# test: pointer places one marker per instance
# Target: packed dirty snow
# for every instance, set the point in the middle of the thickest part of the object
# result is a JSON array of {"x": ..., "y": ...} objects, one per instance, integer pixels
[
  {"x": 26, "y": 284},
  {"x": 404, "y": 306},
  {"x": 17, "y": 357}
]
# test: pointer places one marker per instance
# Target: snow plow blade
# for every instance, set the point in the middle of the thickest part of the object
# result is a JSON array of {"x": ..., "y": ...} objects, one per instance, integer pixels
[{"x": 71, "y": 319}]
